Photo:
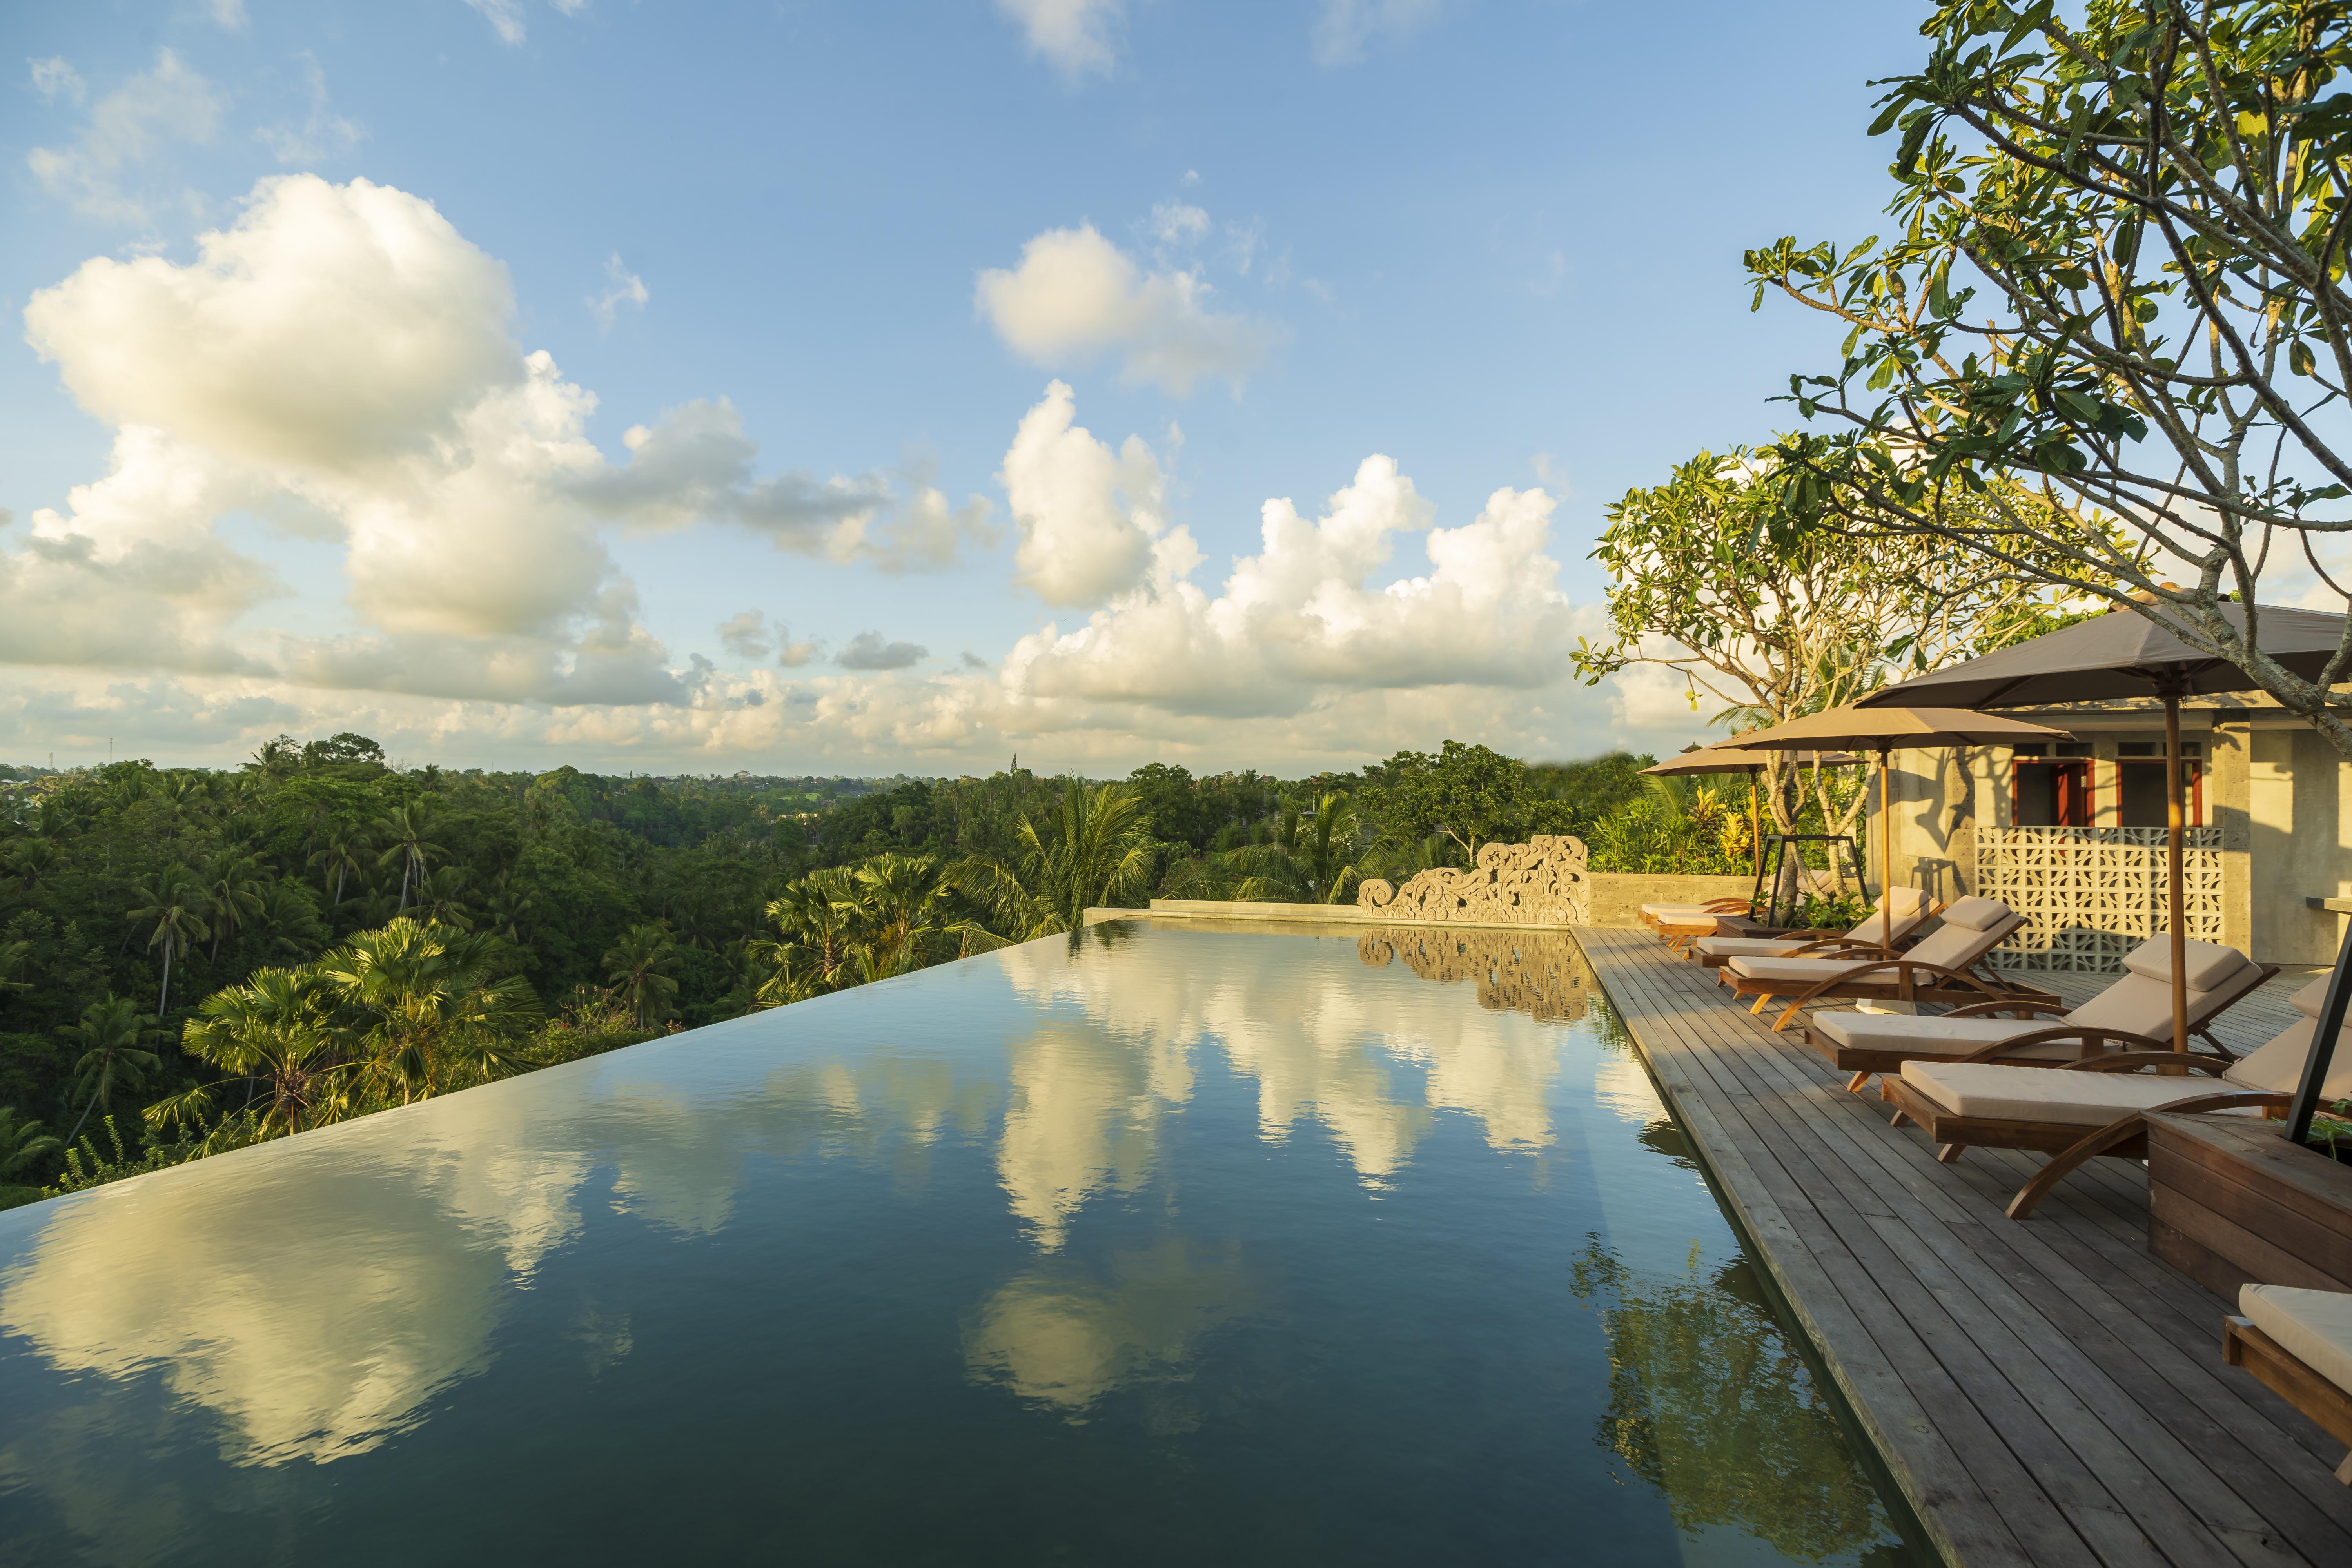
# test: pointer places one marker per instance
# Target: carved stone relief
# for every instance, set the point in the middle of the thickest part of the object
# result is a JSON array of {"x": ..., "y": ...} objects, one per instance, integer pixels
[{"x": 1541, "y": 882}]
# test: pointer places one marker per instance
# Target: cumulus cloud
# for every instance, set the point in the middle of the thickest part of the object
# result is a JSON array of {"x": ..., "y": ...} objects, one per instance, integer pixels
[
  {"x": 1091, "y": 519},
  {"x": 1307, "y": 615},
  {"x": 1078, "y": 38},
  {"x": 54, "y": 78},
  {"x": 868, "y": 650},
  {"x": 1347, "y": 27},
  {"x": 749, "y": 636},
  {"x": 627, "y": 289},
  {"x": 101, "y": 173},
  {"x": 323, "y": 134},
  {"x": 504, "y": 17},
  {"x": 229, "y": 15},
  {"x": 1076, "y": 296}
]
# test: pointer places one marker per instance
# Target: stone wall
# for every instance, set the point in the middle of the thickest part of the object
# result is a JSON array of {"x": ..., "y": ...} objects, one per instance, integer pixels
[{"x": 1618, "y": 896}]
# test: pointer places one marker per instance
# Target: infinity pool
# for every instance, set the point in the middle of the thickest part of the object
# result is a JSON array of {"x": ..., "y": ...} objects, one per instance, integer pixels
[{"x": 1158, "y": 1246}]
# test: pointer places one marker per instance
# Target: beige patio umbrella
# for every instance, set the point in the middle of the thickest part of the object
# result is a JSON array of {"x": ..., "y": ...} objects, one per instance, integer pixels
[
  {"x": 1734, "y": 756},
  {"x": 2128, "y": 654},
  {"x": 1883, "y": 729}
]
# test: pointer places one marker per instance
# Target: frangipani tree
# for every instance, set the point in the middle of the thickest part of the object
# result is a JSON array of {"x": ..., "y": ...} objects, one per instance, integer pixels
[{"x": 2118, "y": 279}]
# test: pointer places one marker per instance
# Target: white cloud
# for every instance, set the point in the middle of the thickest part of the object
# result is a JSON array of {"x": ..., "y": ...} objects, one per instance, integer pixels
[
  {"x": 229, "y": 15},
  {"x": 127, "y": 127},
  {"x": 322, "y": 134},
  {"x": 1091, "y": 519},
  {"x": 1076, "y": 296},
  {"x": 1345, "y": 27},
  {"x": 627, "y": 289},
  {"x": 745, "y": 634},
  {"x": 868, "y": 650},
  {"x": 54, "y": 78},
  {"x": 504, "y": 17},
  {"x": 1178, "y": 222},
  {"x": 1079, "y": 37}
]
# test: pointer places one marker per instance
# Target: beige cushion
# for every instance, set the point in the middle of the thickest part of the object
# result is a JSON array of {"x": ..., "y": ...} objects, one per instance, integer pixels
[
  {"x": 1745, "y": 946},
  {"x": 2278, "y": 1065},
  {"x": 2208, "y": 963},
  {"x": 1662, "y": 912},
  {"x": 1799, "y": 972},
  {"x": 2086, "y": 1100},
  {"x": 1954, "y": 946},
  {"x": 1934, "y": 1036},
  {"x": 2313, "y": 1326},
  {"x": 1977, "y": 913},
  {"x": 2312, "y": 998},
  {"x": 2140, "y": 1006}
]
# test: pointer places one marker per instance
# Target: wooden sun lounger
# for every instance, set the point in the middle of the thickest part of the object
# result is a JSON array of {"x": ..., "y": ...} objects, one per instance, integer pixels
[
  {"x": 1865, "y": 1062},
  {"x": 1712, "y": 907},
  {"x": 2292, "y": 1379},
  {"x": 1893, "y": 977}
]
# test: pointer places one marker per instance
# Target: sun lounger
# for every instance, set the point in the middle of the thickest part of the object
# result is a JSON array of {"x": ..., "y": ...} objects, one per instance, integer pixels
[
  {"x": 1908, "y": 906},
  {"x": 1658, "y": 916},
  {"x": 1936, "y": 970},
  {"x": 2299, "y": 1344},
  {"x": 2083, "y": 1109},
  {"x": 2134, "y": 1013}
]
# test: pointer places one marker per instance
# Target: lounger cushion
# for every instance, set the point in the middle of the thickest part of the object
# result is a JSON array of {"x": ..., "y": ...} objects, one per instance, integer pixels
[
  {"x": 1748, "y": 946},
  {"x": 2313, "y": 1326},
  {"x": 2278, "y": 1065},
  {"x": 1661, "y": 911},
  {"x": 1800, "y": 973},
  {"x": 2312, "y": 998},
  {"x": 1976, "y": 913},
  {"x": 1934, "y": 1036},
  {"x": 2209, "y": 963},
  {"x": 1999, "y": 1093},
  {"x": 2139, "y": 1005}
]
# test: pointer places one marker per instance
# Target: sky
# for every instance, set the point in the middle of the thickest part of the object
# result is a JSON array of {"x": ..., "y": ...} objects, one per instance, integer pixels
[{"x": 840, "y": 387}]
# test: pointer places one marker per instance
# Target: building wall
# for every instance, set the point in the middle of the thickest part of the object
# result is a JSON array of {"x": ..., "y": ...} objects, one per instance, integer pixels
[
  {"x": 1933, "y": 797},
  {"x": 2299, "y": 822}
]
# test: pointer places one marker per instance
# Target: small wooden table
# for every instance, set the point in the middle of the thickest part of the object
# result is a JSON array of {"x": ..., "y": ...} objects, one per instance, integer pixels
[{"x": 2230, "y": 1200}]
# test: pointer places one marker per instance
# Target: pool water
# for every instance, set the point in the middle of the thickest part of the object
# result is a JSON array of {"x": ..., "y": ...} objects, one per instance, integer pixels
[{"x": 1159, "y": 1244}]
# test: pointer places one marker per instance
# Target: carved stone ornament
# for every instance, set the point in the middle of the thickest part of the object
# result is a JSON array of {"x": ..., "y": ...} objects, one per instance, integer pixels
[
  {"x": 1541, "y": 882},
  {"x": 1537, "y": 973}
]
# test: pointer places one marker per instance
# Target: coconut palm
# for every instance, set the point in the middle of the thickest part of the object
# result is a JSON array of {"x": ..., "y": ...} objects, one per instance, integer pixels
[
  {"x": 639, "y": 965},
  {"x": 503, "y": 911},
  {"x": 903, "y": 907},
  {"x": 287, "y": 923},
  {"x": 1311, "y": 859},
  {"x": 26, "y": 864},
  {"x": 112, "y": 1035},
  {"x": 427, "y": 1007},
  {"x": 232, "y": 888},
  {"x": 22, "y": 1141},
  {"x": 403, "y": 832},
  {"x": 173, "y": 908},
  {"x": 439, "y": 898},
  {"x": 1094, "y": 849},
  {"x": 338, "y": 859},
  {"x": 819, "y": 919}
]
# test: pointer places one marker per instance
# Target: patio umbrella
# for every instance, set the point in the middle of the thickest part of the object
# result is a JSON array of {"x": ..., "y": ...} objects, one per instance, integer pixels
[
  {"x": 1882, "y": 729},
  {"x": 1733, "y": 756},
  {"x": 2114, "y": 656}
]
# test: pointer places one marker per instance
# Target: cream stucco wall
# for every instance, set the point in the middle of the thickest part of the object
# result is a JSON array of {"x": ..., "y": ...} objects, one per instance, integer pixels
[{"x": 2299, "y": 827}]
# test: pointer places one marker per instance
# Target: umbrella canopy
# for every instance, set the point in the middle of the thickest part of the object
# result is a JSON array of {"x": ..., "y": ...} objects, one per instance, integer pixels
[
  {"x": 2117, "y": 654},
  {"x": 1734, "y": 756},
  {"x": 1900, "y": 729}
]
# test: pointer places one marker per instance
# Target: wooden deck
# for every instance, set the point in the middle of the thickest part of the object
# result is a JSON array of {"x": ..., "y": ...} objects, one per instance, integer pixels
[{"x": 2044, "y": 1392}]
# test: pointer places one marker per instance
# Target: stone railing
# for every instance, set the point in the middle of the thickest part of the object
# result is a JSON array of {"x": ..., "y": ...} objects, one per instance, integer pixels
[{"x": 1541, "y": 882}]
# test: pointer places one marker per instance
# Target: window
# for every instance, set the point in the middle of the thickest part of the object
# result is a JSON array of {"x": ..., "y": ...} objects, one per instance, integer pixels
[
  {"x": 2051, "y": 792},
  {"x": 2139, "y": 783}
]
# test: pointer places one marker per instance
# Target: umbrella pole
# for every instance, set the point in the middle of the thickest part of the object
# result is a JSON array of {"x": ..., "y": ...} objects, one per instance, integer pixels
[
  {"x": 2173, "y": 813},
  {"x": 1885, "y": 858},
  {"x": 1756, "y": 834}
]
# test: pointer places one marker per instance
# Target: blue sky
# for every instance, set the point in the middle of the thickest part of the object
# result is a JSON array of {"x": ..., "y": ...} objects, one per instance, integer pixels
[{"x": 1493, "y": 243}]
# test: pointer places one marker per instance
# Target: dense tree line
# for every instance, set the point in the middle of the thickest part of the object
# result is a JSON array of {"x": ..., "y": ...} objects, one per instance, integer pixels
[{"x": 193, "y": 958}]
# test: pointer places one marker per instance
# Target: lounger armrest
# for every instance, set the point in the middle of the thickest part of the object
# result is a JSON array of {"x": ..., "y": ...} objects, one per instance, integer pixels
[
  {"x": 2161, "y": 1056},
  {"x": 1987, "y": 1009},
  {"x": 1907, "y": 971},
  {"x": 2093, "y": 1039},
  {"x": 2124, "y": 1130}
]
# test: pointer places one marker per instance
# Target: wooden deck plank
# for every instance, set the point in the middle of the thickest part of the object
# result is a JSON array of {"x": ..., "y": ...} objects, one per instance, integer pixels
[{"x": 2046, "y": 1391}]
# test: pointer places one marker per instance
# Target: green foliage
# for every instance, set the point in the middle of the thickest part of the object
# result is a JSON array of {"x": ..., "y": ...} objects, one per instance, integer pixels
[
  {"x": 1466, "y": 793},
  {"x": 1094, "y": 850}
]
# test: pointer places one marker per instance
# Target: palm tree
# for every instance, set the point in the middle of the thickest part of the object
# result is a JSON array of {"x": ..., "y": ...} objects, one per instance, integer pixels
[
  {"x": 1310, "y": 859},
  {"x": 232, "y": 896},
  {"x": 338, "y": 858},
  {"x": 14, "y": 957},
  {"x": 173, "y": 907},
  {"x": 109, "y": 1034},
  {"x": 288, "y": 922},
  {"x": 507, "y": 903},
  {"x": 901, "y": 907},
  {"x": 1094, "y": 849},
  {"x": 21, "y": 1143},
  {"x": 404, "y": 834},
  {"x": 819, "y": 920},
  {"x": 639, "y": 965},
  {"x": 279, "y": 1032},
  {"x": 425, "y": 1007},
  {"x": 27, "y": 864},
  {"x": 437, "y": 900}
]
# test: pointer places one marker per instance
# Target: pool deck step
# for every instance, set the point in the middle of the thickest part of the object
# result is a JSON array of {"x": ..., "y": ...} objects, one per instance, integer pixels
[{"x": 2044, "y": 1391}]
